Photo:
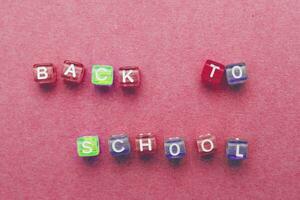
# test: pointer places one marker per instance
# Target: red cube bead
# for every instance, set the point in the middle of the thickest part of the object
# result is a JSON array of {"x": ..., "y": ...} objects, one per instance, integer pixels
[
  {"x": 145, "y": 144},
  {"x": 212, "y": 73},
  {"x": 73, "y": 71},
  {"x": 129, "y": 76},
  {"x": 206, "y": 144},
  {"x": 44, "y": 73}
]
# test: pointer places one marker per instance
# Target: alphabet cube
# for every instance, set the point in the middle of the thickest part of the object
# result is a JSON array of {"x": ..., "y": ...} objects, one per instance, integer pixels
[
  {"x": 236, "y": 73},
  {"x": 88, "y": 146},
  {"x": 73, "y": 71},
  {"x": 102, "y": 75},
  {"x": 44, "y": 73},
  {"x": 206, "y": 144},
  {"x": 119, "y": 145},
  {"x": 174, "y": 148},
  {"x": 236, "y": 149},
  {"x": 145, "y": 144},
  {"x": 212, "y": 73},
  {"x": 129, "y": 76}
]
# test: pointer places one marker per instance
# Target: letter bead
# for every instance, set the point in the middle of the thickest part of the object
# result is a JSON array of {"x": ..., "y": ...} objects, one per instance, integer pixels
[
  {"x": 88, "y": 146},
  {"x": 212, "y": 73},
  {"x": 236, "y": 73},
  {"x": 129, "y": 76},
  {"x": 102, "y": 75},
  {"x": 44, "y": 73},
  {"x": 119, "y": 145},
  {"x": 174, "y": 148},
  {"x": 236, "y": 149},
  {"x": 206, "y": 145},
  {"x": 145, "y": 144},
  {"x": 73, "y": 71}
]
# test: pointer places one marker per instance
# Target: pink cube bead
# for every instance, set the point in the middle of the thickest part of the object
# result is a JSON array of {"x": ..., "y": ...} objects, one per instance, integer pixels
[
  {"x": 130, "y": 77},
  {"x": 212, "y": 73},
  {"x": 44, "y": 73},
  {"x": 145, "y": 144},
  {"x": 73, "y": 71},
  {"x": 206, "y": 144}
]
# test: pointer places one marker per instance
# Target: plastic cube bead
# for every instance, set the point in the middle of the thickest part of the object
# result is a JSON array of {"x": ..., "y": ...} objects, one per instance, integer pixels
[
  {"x": 73, "y": 71},
  {"x": 206, "y": 144},
  {"x": 174, "y": 148},
  {"x": 88, "y": 146},
  {"x": 236, "y": 73},
  {"x": 212, "y": 73},
  {"x": 129, "y": 77},
  {"x": 44, "y": 73},
  {"x": 236, "y": 149},
  {"x": 119, "y": 145},
  {"x": 145, "y": 144},
  {"x": 102, "y": 75}
]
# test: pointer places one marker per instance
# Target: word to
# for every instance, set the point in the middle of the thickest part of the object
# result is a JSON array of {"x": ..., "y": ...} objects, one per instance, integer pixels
[{"x": 213, "y": 72}]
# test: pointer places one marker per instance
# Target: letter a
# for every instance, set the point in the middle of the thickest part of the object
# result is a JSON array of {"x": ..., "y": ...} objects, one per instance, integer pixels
[{"x": 71, "y": 69}]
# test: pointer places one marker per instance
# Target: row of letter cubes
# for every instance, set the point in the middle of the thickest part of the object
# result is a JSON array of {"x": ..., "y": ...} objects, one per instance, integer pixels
[
  {"x": 146, "y": 144},
  {"x": 102, "y": 75},
  {"x": 213, "y": 73}
]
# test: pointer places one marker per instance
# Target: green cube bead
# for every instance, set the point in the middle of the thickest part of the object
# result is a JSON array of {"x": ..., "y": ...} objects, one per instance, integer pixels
[
  {"x": 88, "y": 146},
  {"x": 102, "y": 75}
]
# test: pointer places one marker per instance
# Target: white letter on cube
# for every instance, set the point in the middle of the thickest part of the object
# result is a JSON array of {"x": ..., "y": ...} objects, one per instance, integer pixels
[
  {"x": 87, "y": 149},
  {"x": 148, "y": 144},
  {"x": 213, "y": 70},
  {"x": 177, "y": 152},
  {"x": 210, "y": 143},
  {"x": 42, "y": 73},
  {"x": 71, "y": 69},
  {"x": 237, "y": 68},
  {"x": 113, "y": 145},
  {"x": 127, "y": 75}
]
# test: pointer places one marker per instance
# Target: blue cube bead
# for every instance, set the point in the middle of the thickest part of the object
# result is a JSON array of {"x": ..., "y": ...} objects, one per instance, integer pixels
[
  {"x": 119, "y": 145},
  {"x": 174, "y": 148},
  {"x": 237, "y": 149},
  {"x": 236, "y": 73}
]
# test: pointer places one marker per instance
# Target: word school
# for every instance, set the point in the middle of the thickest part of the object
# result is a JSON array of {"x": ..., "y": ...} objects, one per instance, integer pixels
[
  {"x": 130, "y": 76},
  {"x": 174, "y": 147}
]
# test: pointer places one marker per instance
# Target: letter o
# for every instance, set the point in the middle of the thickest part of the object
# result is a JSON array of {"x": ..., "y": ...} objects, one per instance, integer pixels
[
  {"x": 240, "y": 72},
  {"x": 177, "y": 152},
  {"x": 204, "y": 148}
]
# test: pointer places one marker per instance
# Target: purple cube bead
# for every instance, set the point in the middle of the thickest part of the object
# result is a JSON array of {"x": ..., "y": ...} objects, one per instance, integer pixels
[
  {"x": 119, "y": 145},
  {"x": 236, "y": 73},
  {"x": 174, "y": 148},
  {"x": 236, "y": 149}
]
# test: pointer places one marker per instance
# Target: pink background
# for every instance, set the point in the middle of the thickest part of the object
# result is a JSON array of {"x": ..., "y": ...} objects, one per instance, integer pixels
[{"x": 170, "y": 41}]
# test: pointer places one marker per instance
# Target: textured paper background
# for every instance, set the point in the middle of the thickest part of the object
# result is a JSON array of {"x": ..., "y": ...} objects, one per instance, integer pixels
[{"x": 170, "y": 40}]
